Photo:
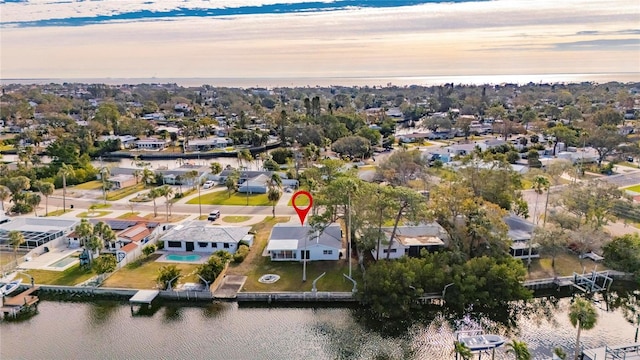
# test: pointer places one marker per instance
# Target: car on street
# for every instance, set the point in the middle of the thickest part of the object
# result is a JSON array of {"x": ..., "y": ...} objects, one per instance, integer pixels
[
  {"x": 208, "y": 184},
  {"x": 214, "y": 215}
]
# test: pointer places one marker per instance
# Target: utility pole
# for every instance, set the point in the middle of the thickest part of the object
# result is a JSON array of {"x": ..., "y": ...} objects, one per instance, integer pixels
[
  {"x": 199, "y": 202},
  {"x": 349, "y": 233}
]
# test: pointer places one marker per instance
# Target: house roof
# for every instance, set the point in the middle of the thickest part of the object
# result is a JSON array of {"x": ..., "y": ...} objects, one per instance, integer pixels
[
  {"x": 519, "y": 228},
  {"x": 420, "y": 235},
  {"x": 37, "y": 224},
  {"x": 331, "y": 236},
  {"x": 246, "y": 174},
  {"x": 201, "y": 231},
  {"x": 135, "y": 233},
  {"x": 121, "y": 224},
  {"x": 129, "y": 247},
  {"x": 282, "y": 245}
]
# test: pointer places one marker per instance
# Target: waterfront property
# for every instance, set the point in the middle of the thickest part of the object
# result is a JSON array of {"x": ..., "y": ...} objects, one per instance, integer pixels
[
  {"x": 200, "y": 236},
  {"x": 207, "y": 144},
  {"x": 121, "y": 181},
  {"x": 36, "y": 231},
  {"x": 178, "y": 176},
  {"x": 151, "y": 144},
  {"x": 410, "y": 240},
  {"x": 289, "y": 242}
]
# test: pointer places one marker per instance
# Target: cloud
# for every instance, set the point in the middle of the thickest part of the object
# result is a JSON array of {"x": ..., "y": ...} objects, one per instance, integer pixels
[
  {"x": 600, "y": 33},
  {"x": 609, "y": 44}
]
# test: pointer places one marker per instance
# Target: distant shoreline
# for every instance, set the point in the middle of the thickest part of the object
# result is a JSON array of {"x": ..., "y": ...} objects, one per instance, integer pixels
[{"x": 260, "y": 82}]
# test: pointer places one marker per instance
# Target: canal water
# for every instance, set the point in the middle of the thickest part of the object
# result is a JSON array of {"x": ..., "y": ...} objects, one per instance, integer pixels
[{"x": 108, "y": 330}]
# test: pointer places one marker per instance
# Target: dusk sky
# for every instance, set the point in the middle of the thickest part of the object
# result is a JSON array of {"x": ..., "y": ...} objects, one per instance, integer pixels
[{"x": 295, "y": 38}]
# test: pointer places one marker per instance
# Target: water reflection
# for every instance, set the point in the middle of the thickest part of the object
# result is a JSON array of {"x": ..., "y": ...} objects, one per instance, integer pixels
[{"x": 101, "y": 311}]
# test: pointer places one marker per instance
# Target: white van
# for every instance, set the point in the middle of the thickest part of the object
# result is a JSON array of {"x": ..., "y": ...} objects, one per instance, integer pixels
[{"x": 214, "y": 215}]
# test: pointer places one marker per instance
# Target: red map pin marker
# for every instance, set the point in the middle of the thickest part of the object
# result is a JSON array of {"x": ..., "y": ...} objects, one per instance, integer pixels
[{"x": 302, "y": 213}]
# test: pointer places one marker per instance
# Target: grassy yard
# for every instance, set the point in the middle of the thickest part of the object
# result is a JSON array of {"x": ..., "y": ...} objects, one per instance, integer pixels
[
  {"x": 93, "y": 214},
  {"x": 233, "y": 219},
  {"x": 566, "y": 264},
  {"x": 222, "y": 198},
  {"x": 121, "y": 193},
  {"x": 58, "y": 212},
  {"x": 129, "y": 215},
  {"x": 142, "y": 274},
  {"x": 301, "y": 201},
  {"x": 163, "y": 218},
  {"x": 70, "y": 277},
  {"x": 635, "y": 188},
  {"x": 7, "y": 257},
  {"x": 256, "y": 265},
  {"x": 90, "y": 185}
]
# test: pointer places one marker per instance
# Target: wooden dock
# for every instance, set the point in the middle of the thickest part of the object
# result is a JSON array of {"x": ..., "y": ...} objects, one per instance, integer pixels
[
  {"x": 13, "y": 305},
  {"x": 621, "y": 352}
]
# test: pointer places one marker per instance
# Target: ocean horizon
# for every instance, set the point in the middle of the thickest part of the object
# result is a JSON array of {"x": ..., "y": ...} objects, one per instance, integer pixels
[{"x": 348, "y": 81}]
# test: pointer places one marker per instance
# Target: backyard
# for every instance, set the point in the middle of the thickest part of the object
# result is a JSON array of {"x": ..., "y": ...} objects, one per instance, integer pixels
[
  {"x": 256, "y": 265},
  {"x": 566, "y": 265},
  {"x": 635, "y": 188},
  {"x": 222, "y": 198},
  {"x": 70, "y": 277},
  {"x": 141, "y": 274}
]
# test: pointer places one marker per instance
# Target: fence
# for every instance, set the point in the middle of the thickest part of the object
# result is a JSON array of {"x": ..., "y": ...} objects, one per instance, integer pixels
[{"x": 317, "y": 296}]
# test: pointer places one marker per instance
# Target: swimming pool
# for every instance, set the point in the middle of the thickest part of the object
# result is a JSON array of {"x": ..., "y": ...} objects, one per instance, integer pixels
[
  {"x": 64, "y": 262},
  {"x": 183, "y": 258}
]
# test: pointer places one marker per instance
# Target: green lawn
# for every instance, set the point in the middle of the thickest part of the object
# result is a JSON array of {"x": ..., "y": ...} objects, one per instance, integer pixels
[
  {"x": 222, "y": 198},
  {"x": 58, "y": 212},
  {"x": 90, "y": 185},
  {"x": 7, "y": 257},
  {"x": 128, "y": 215},
  {"x": 256, "y": 265},
  {"x": 235, "y": 219},
  {"x": 93, "y": 214},
  {"x": 121, "y": 193},
  {"x": 6, "y": 147},
  {"x": 142, "y": 274},
  {"x": 635, "y": 188},
  {"x": 301, "y": 201},
  {"x": 70, "y": 277}
]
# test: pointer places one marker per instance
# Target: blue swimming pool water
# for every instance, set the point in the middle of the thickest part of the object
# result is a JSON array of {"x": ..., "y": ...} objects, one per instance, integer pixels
[
  {"x": 64, "y": 262},
  {"x": 184, "y": 258}
]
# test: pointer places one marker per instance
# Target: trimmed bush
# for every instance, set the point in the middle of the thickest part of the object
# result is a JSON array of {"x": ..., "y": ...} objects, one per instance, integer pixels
[{"x": 241, "y": 254}]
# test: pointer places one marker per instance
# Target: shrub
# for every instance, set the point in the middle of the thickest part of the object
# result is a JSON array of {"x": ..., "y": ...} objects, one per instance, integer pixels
[
  {"x": 243, "y": 242},
  {"x": 149, "y": 249},
  {"x": 241, "y": 254},
  {"x": 104, "y": 264}
]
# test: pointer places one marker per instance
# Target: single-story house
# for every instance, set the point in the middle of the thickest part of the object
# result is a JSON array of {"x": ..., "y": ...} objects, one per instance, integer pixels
[
  {"x": 292, "y": 242},
  {"x": 139, "y": 231},
  {"x": 177, "y": 176},
  {"x": 415, "y": 137},
  {"x": 521, "y": 234},
  {"x": 121, "y": 181},
  {"x": 126, "y": 141},
  {"x": 410, "y": 240},
  {"x": 254, "y": 177},
  {"x": 200, "y": 236},
  {"x": 461, "y": 149},
  {"x": 151, "y": 144},
  {"x": 207, "y": 144},
  {"x": 490, "y": 144},
  {"x": 37, "y": 231}
]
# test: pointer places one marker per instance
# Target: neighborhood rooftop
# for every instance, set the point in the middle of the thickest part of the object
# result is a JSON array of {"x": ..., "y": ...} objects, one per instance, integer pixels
[{"x": 203, "y": 232}]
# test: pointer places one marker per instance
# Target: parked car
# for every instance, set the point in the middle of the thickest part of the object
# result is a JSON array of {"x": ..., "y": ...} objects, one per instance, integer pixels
[
  {"x": 208, "y": 184},
  {"x": 214, "y": 215}
]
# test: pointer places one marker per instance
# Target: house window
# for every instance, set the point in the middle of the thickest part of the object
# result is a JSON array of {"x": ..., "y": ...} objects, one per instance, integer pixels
[
  {"x": 203, "y": 244},
  {"x": 327, "y": 252},
  {"x": 226, "y": 245},
  {"x": 387, "y": 250},
  {"x": 174, "y": 244},
  {"x": 214, "y": 245}
]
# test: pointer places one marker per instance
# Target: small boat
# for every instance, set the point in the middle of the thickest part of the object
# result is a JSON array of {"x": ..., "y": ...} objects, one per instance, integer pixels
[
  {"x": 482, "y": 342},
  {"x": 10, "y": 287}
]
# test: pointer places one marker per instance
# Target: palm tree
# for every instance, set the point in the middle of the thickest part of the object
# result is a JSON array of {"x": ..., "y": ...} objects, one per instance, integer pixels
[
  {"x": 274, "y": 195},
  {"x": 583, "y": 315},
  {"x": 4, "y": 195},
  {"x": 166, "y": 191},
  {"x": 104, "y": 174},
  {"x": 216, "y": 168},
  {"x": 520, "y": 349},
  {"x": 137, "y": 174},
  {"x": 153, "y": 195},
  {"x": 540, "y": 183},
  {"x": 148, "y": 176},
  {"x": 16, "y": 238},
  {"x": 46, "y": 189},
  {"x": 84, "y": 230},
  {"x": 33, "y": 199},
  {"x": 462, "y": 350},
  {"x": 65, "y": 170}
]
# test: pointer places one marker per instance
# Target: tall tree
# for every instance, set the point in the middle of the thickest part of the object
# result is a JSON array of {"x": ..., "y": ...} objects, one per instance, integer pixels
[
  {"x": 46, "y": 189},
  {"x": 274, "y": 195},
  {"x": 216, "y": 167},
  {"x": 65, "y": 171},
  {"x": 16, "y": 238},
  {"x": 4, "y": 195},
  {"x": 84, "y": 230},
  {"x": 583, "y": 315},
  {"x": 604, "y": 139}
]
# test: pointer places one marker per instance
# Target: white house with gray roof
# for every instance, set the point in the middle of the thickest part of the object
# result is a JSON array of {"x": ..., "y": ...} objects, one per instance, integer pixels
[
  {"x": 411, "y": 240},
  {"x": 199, "y": 236},
  {"x": 291, "y": 242}
]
